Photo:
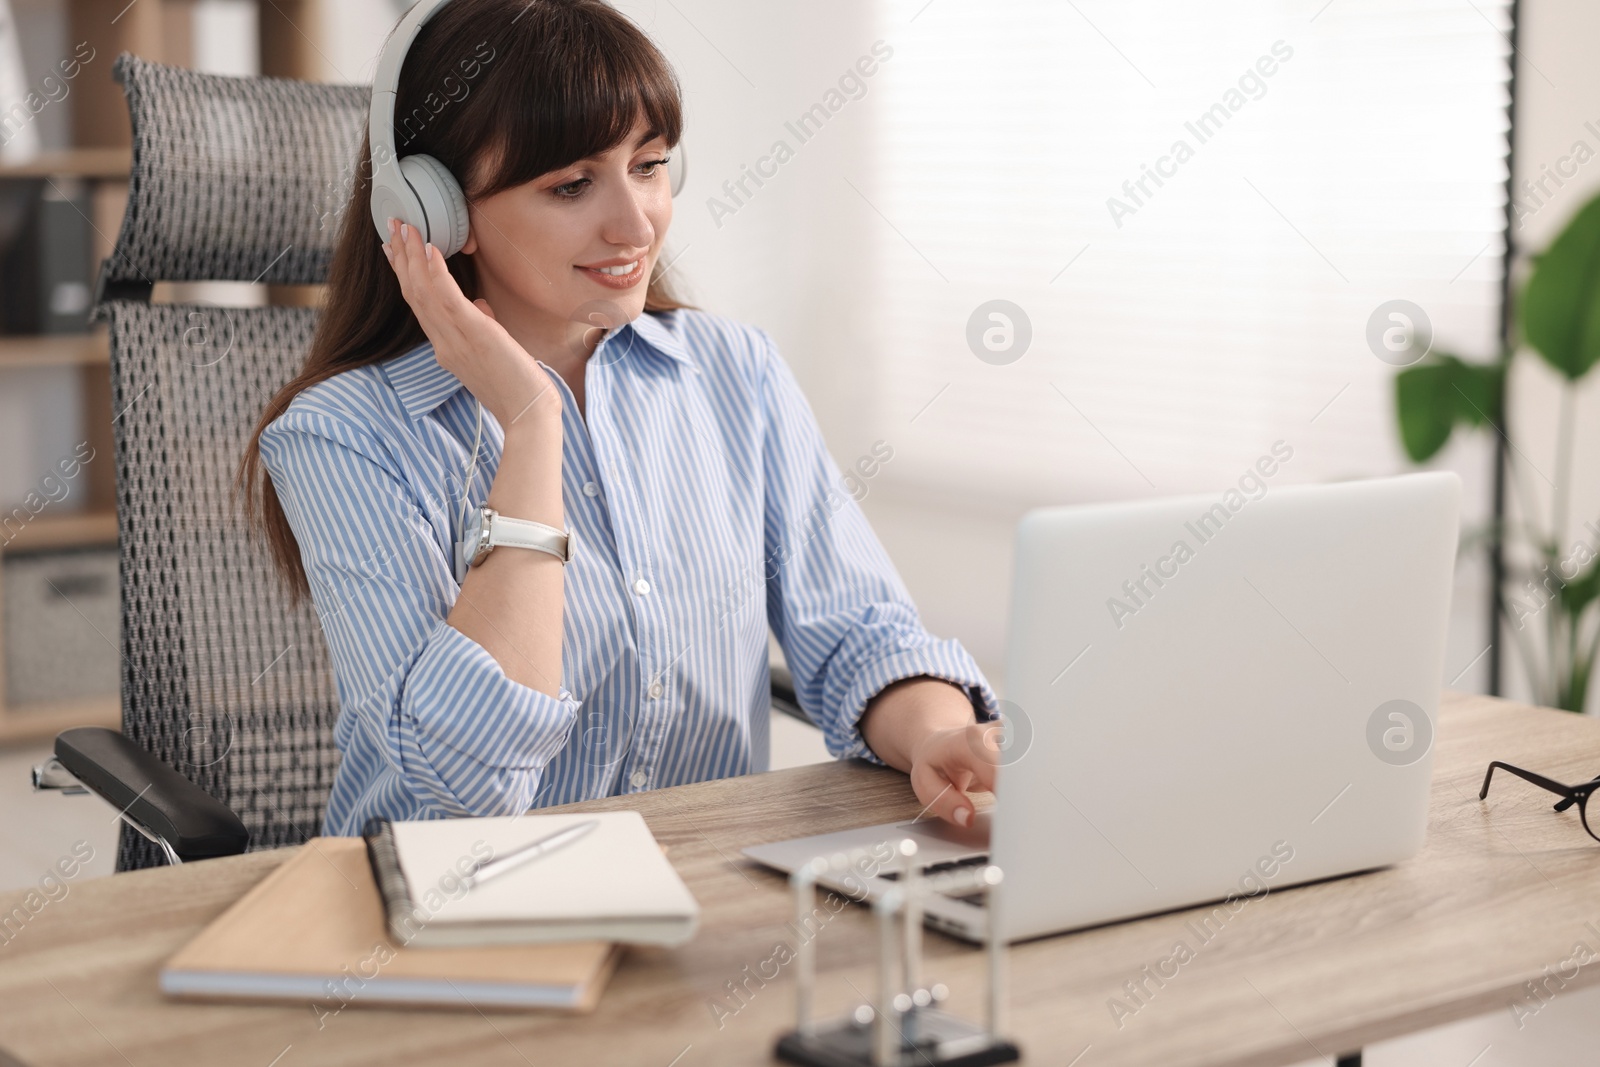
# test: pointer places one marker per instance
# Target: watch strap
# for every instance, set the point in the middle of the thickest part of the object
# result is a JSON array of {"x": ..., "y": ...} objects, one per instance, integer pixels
[{"x": 525, "y": 533}]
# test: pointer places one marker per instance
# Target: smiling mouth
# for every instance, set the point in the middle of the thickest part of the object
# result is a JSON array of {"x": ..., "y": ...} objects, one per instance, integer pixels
[{"x": 622, "y": 276}]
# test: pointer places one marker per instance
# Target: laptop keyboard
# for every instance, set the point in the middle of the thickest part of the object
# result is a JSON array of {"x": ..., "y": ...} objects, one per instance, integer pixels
[{"x": 976, "y": 896}]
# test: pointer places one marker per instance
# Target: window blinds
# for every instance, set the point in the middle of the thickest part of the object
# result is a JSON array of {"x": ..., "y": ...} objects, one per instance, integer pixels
[{"x": 1198, "y": 208}]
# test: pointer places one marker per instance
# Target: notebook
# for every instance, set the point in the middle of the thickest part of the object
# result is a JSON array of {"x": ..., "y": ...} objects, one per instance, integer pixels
[
  {"x": 313, "y": 930},
  {"x": 612, "y": 884}
]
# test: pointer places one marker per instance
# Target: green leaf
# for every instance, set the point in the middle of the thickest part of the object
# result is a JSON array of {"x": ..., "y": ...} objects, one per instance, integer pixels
[
  {"x": 1478, "y": 391},
  {"x": 1578, "y": 593},
  {"x": 1432, "y": 397},
  {"x": 1561, "y": 303},
  {"x": 1426, "y": 405}
]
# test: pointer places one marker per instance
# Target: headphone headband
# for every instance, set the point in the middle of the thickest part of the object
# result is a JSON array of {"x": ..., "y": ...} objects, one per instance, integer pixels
[{"x": 386, "y": 83}]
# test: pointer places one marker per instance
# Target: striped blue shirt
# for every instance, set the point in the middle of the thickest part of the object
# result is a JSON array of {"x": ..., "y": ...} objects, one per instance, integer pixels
[{"x": 705, "y": 508}]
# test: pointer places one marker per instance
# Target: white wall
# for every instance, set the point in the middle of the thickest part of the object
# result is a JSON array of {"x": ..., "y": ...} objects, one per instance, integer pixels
[{"x": 350, "y": 34}]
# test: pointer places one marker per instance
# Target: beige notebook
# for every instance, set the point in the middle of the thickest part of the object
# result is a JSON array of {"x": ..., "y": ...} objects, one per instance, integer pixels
[
  {"x": 611, "y": 884},
  {"x": 313, "y": 930}
]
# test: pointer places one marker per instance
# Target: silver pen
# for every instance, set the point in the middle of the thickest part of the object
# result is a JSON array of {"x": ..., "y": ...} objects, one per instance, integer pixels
[{"x": 485, "y": 870}]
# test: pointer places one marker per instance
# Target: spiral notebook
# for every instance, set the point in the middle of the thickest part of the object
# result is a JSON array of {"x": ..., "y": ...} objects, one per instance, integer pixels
[
  {"x": 613, "y": 884},
  {"x": 313, "y": 930}
]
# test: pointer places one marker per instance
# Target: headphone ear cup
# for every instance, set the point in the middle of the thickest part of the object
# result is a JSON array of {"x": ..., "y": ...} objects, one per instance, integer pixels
[
  {"x": 442, "y": 201},
  {"x": 677, "y": 168},
  {"x": 392, "y": 198}
]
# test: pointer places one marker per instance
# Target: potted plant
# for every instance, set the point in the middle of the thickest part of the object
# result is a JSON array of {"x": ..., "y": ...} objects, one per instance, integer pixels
[{"x": 1550, "y": 590}]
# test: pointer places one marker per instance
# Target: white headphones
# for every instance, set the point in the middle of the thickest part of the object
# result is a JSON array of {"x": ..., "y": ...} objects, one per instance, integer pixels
[{"x": 419, "y": 189}]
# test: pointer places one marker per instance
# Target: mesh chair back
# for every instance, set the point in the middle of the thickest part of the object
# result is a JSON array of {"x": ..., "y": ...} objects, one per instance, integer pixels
[{"x": 234, "y": 179}]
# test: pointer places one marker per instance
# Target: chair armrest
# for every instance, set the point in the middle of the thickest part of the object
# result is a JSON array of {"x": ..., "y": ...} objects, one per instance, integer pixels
[
  {"x": 783, "y": 697},
  {"x": 193, "y": 822}
]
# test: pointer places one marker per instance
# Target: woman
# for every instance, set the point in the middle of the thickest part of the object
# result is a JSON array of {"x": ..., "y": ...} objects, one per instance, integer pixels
[{"x": 675, "y": 445}]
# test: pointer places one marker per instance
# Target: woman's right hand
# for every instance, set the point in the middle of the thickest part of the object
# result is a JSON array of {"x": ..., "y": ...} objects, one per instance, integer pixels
[{"x": 467, "y": 341}]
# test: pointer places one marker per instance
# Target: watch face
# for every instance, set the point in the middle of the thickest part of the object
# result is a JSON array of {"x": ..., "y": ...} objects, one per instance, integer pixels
[{"x": 476, "y": 537}]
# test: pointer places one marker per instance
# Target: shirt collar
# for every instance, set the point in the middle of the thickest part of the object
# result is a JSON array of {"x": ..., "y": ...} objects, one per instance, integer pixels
[{"x": 422, "y": 384}]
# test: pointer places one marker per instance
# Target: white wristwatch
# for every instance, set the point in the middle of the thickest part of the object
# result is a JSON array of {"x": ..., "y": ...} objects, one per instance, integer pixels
[{"x": 487, "y": 530}]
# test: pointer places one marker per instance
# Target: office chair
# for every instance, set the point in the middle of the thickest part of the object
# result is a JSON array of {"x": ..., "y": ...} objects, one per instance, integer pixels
[{"x": 228, "y": 696}]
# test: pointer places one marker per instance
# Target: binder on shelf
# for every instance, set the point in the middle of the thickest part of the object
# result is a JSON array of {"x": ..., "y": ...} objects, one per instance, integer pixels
[
  {"x": 47, "y": 258},
  {"x": 65, "y": 276}
]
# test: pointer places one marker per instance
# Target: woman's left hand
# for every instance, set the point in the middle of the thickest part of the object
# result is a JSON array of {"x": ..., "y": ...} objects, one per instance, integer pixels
[{"x": 925, "y": 726}]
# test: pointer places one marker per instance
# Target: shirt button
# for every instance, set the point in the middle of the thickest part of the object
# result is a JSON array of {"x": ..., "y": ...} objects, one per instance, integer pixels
[
  {"x": 590, "y": 489},
  {"x": 655, "y": 690},
  {"x": 639, "y": 779},
  {"x": 641, "y": 587}
]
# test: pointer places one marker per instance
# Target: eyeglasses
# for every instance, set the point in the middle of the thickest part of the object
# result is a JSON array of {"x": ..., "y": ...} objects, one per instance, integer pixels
[{"x": 1570, "y": 794}]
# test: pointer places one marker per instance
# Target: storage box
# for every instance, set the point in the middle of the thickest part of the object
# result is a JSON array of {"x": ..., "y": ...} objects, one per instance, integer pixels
[{"x": 62, "y": 626}]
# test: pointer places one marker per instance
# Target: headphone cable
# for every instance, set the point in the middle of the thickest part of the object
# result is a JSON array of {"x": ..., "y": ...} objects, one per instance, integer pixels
[{"x": 469, "y": 475}]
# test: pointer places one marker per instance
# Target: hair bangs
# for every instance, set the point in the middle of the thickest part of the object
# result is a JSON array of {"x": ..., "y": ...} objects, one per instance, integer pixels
[{"x": 574, "y": 81}]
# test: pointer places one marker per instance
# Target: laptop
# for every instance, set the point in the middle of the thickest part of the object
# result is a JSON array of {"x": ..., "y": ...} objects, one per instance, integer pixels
[{"x": 1209, "y": 698}]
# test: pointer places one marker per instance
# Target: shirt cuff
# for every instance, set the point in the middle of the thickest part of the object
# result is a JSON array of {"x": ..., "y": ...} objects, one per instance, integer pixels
[
  {"x": 944, "y": 660},
  {"x": 458, "y": 695}
]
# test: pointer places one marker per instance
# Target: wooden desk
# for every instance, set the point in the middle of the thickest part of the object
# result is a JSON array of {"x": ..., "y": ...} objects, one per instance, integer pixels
[{"x": 1503, "y": 890}]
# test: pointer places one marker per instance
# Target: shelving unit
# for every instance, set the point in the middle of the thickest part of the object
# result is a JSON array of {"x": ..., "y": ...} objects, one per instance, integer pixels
[
  {"x": 60, "y": 350},
  {"x": 109, "y": 163},
  {"x": 106, "y": 169},
  {"x": 42, "y": 720},
  {"x": 78, "y": 530},
  {"x": 160, "y": 30}
]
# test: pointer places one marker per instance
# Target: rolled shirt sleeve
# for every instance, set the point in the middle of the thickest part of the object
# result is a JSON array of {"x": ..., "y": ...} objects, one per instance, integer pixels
[
  {"x": 835, "y": 602},
  {"x": 435, "y": 707}
]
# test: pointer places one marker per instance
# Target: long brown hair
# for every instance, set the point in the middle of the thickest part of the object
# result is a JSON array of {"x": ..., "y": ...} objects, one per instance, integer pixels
[{"x": 564, "y": 80}]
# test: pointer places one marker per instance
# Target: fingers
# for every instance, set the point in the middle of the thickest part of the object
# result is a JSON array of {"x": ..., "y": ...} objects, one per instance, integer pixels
[
  {"x": 442, "y": 310},
  {"x": 401, "y": 257},
  {"x": 413, "y": 262},
  {"x": 944, "y": 799},
  {"x": 958, "y": 761},
  {"x": 985, "y": 739}
]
